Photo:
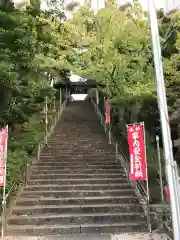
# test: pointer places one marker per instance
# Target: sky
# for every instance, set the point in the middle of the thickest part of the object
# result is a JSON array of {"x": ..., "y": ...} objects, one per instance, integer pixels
[{"x": 158, "y": 3}]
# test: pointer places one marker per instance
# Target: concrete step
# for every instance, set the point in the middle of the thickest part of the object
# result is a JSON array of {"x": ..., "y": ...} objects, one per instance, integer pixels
[
  {"x": 77, "y": 193},
  {"x": 81, "y": 200},
  {"x": 72, "y": 181},
  {"x": 79, "y": 158},
  {"x": 73, "y": 155},
  {"x": 34, "y": 230},
  {"x": 74, "y": 208},
  {"x": 77, "y": 186},
  {"x": 77, "y": 176},
  {"x": 80, "y": 165},
  {"x": 80, "y": 171},
  {"x": 83, "y": 186},
  {"x": 75, "y": 167},
  {"x": 80, "y": 218}
]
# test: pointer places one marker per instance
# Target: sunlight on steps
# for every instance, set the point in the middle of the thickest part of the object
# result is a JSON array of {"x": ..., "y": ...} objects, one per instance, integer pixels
[{"x": 78, "y": 97}]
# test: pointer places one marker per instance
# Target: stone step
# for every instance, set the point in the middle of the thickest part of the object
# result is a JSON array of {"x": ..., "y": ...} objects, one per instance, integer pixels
[
  {"x": 74, "y": 208},
  {"x": 77, "y": 187},
  {"x": 50, "y": 230},
  {"x": 79, "y": 145},
  {"x": 80, "y": 171},
  {"x": 78, "y": 164},
  {"x": 78, "y": 180},
  {"x": 60, "y": 139},
  {"x": 80, "y": 218},
  {"x": 75, "y": 167},
  {"x": 81, "y": 200},
  {"x": 73, "y": 155},
  {"x": 77, "y": 176},
  {"x": 79, "y": 156},
  {"x": 77, "y": 193}
]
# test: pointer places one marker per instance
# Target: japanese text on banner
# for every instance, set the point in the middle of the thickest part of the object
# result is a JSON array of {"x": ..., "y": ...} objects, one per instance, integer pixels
[
  {"x": 3, "y": 140},
  {"x": 137, "y": 152}
]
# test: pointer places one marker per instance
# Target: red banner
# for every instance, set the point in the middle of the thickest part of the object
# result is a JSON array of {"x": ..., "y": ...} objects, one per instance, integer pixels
[
  {"x": 137, "y": 152},
  {"x": 108, "y": 112},
  {"x": 3, "y": 149}
]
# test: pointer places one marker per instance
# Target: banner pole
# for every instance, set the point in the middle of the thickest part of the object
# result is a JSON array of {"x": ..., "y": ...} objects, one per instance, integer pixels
[
  {"x": 4, "y": 188},
  {"x": 147, "y": 185},
  {"x": 46, "y": 121},
  {"x": 164, "y": 116},
  {"x": 60, "y": 99},
  {"x": 54, "y": 104},
  {"x": 109, "y": 133},
  {"x": 160, "y": 169}
]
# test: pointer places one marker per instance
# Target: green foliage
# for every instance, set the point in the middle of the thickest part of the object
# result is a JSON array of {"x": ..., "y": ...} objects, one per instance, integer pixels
[
  {"x": 33, "y": 47},
  {"x": 112, "y": 47},
  {"x": 117, "y": 52}
]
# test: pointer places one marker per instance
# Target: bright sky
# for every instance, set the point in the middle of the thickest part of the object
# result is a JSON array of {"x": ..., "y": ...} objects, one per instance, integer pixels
[{"x": 158, "y": 3}]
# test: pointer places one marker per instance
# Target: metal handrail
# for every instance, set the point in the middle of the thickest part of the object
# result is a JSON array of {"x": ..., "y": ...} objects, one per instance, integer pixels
[
  {"x": 24, "y": 171},
  {"x": 122, "y": 158}
]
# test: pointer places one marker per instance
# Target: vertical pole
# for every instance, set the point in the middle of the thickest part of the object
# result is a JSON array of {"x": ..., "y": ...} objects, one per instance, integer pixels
[
  {"x": 54, "y": 104},
  {"x": 66, "y": 92},
  {"x": 26, "y": 174},
  {"x": 105, "y": 126},
  {"x": 116, "y": 151},
  {"x": 167, "y": 142},
  {"x": 97, "y": 97},
  {"x": 69, "y": 95},
  {"x": 39, "y": 151},
  {"x": 60, "y": 98},
  {"x": 3, "y": 218},
  {"x": 4, "y": 188},
  {"x": 46, "y": 121},
  {"x": 147, "y": 185},
  {"x": 160, "y": 169},
  {"x": 109, "y": 133},
  {"x": 177, "y": 186}
]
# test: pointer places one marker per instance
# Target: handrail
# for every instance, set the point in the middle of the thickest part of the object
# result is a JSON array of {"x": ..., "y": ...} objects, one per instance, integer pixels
[
  {"x": 39, "y": 145},
  {"x": 138, "y": 187},
  {"x": 25, "y": 169},
  {"x": 122, "y": 158}
]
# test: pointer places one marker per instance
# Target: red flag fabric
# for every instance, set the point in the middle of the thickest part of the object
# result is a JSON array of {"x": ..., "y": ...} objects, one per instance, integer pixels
[
  {"x": 3, "y": 141},
  {"x": 108, "y": 111},
  {"x": 167, "y": 193},
  {"x": 136, "y": 142}
]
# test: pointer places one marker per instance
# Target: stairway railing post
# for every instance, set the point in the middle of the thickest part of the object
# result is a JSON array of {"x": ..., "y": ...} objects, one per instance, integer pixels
[
  {"x": 160, "y": 168},
  {"x": 26, "y": 175},
  {"x": 38, "y": 152},
  {"x": 109, "y": 133},
  {"x": 116, "y": 151},
  {"x": 46, "y": 121},
  {"x": 54, "y": 104},
  {"x": 60, "y": 99}
]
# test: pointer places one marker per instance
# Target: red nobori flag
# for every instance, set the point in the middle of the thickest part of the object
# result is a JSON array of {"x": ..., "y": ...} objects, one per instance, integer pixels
[
  {"x": 137, "y": 152},
  {"x": 3, "y": 149},
  {"x": 108, "y": 110}
]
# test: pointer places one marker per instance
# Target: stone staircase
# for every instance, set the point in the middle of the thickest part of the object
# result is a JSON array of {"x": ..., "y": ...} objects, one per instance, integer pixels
[{"x": 77, "y": 186}]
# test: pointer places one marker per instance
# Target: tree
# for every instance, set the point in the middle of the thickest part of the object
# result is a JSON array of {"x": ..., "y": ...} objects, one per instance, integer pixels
[{"x": 117, "y": 53}]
